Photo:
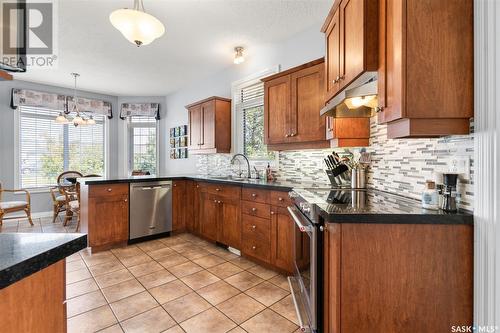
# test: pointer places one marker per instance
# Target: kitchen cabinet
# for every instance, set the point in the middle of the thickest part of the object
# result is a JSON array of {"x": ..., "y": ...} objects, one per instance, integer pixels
[
  {"x": 209, "y": 216},
  {"x": 210, "y": 126},
  {"x": 425, "y": 76},
  {"x": 282, "y": 227},
  {"x": 348, "y": 132},
  {"x": 292, "y": 100},
  {"x": 351, "y": 44},
  {"x": 192, "y": 206},
  {"x": 105, "y": 215},
  {"x": 178, "y": 205},
  {"x": 374, "y": 273}
]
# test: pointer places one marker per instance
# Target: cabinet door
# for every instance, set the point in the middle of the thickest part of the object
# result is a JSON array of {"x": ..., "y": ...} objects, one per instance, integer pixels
[
  {"x": 229, "y": 222},
  {"x": 332, "y": 67},
  {"x": 178, "y": 205},
  {"x": 277, "y": 110},
  {"x": 110, "y": 213},
  {"x": 307, "y": 98},
  {"x": 331, "y": 278},
  {"x": 351, "y": 40},
  {"x": 195, "y": 127},
  {"x": 282, "y": 227},
  {"x": 196, "y": 207},
  {"x": 208, "y": 127},
  {"x": 189, "y": 206},
  {"x": 209, "y": 216}
]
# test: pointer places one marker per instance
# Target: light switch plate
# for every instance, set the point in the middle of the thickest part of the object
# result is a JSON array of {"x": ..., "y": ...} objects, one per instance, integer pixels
[{"x": 461, "y": 165}]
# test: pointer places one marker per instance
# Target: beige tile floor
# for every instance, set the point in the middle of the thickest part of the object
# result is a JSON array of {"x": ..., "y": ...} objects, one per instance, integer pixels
[{"x": 175, "y": 284}]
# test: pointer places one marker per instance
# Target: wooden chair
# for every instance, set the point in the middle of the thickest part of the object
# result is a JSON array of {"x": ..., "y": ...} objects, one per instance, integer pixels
[
  {"x": 60, "y": 201},
  {"x": 7, "y": 207},
  {"x": 73, "y": 204}
]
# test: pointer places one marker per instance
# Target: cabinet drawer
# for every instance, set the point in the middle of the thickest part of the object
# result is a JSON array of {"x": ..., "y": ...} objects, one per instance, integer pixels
[
  {"x": 257, "y": 248},
  {"x": 220, "y": 189},
  {"x": 256, "y": 209},
  {"x": 255, "y": 228},
  {"x": 280, "y": 198},
  {"x": 252, "y": 194},
  {"x": 108, "y": 190}
]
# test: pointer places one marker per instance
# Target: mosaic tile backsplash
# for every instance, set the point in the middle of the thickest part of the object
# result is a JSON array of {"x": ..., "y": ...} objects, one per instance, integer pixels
[{"x": 399, "y": 166}]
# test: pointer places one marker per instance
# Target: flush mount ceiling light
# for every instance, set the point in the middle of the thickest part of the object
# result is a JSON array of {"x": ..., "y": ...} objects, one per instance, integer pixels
[
  {"x": 137, "y": 26},
  {"x": 238, "y": 55}
]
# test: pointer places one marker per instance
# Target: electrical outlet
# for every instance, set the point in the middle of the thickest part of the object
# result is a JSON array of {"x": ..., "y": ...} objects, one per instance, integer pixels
[{"x": 461, "y": 165}]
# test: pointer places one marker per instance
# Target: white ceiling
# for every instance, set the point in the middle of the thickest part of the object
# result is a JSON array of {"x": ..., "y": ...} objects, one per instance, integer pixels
[{"x": 199, "y": 41}]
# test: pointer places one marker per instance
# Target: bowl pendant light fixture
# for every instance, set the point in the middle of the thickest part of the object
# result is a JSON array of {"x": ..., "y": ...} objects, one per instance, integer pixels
[
  {"x": 137, "y": 26},
  {"x": 238, "y": 55}
]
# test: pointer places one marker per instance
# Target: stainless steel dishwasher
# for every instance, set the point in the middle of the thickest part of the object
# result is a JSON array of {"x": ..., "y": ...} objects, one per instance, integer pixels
[{"x": 150, "y": 208}]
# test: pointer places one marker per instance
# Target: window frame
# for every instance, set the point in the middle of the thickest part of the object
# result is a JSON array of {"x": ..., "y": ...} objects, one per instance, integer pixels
[
  {"x": 17, "y": 153},
  {"x": 237, "y": 140},
  {"x": 130, "y": 146}
]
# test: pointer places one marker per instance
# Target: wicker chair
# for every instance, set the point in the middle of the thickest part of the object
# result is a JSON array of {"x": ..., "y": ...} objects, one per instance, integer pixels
[
  {"x": 7, "y": 207},
  {"x": 66, "y": 182},
  {"x": 73, "y": 204}
]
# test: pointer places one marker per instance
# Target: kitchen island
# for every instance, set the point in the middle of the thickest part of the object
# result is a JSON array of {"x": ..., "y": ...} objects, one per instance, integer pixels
[{"x": 32, "y": 280}]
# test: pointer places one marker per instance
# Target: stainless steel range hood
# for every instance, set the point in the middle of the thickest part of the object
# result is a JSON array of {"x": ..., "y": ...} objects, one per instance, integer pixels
[{"x": 354, "y": 102}]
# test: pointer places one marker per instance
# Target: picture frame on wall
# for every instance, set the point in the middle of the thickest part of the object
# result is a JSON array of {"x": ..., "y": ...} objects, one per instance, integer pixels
[{"x": 178, "y": 142}]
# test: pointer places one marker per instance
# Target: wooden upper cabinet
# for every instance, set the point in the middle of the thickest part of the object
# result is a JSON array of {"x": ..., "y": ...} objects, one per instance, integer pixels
[
  {"x": 351, "y": 44},
  {"x": 425, "y": 77},
  {"x": 292, "y": 101},
  {"x": 210, "y": 126},
  {"x": 348, "y": 132}
]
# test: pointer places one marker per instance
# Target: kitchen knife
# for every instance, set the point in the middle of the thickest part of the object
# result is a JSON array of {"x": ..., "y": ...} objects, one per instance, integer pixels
[
  {"x": 328, "y": 164},
  {"x": 332, "y": 161}
]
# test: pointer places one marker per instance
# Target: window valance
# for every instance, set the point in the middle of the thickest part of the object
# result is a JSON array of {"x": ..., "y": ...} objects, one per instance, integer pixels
[
  {"x": 91, "y": 106},
  {"x": 140, "y": 110},
  {"x": 23, "y": 97},
  {"x": 32, "y": 98}
]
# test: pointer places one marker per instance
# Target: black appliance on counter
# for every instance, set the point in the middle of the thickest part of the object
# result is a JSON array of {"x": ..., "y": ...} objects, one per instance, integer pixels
[{"x": 307, "y": 283}]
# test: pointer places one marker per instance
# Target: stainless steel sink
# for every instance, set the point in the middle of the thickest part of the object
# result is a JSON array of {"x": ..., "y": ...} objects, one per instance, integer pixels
[{"x": 229, "y": 178}]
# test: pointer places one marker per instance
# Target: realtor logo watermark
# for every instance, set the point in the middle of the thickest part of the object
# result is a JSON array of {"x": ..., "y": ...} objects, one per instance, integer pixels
[
  {"x": 29, "y": 34},
  {"x": 474, "y": 329}
]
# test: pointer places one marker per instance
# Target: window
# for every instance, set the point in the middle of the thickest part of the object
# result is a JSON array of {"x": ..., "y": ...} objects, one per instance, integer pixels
[
  {"x": 143, "y": 151},
  {"x": 251, "y": 107},
  {"x": 46, "y": 148}
]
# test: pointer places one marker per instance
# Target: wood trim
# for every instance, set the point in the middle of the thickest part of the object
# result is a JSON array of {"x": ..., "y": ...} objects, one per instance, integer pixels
[
  {"x": 425, "y": 128},
  {"x": 294, "y": 69},
  {"x": 5, "y": 76},
  {"x": 299, "y": 145},
  {"x": 207, "y": 100},
  {"x": 330, "y": 15}
]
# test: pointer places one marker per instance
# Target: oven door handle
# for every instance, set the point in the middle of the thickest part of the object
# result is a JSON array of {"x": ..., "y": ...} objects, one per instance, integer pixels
[{"x": 302, "y": 227}]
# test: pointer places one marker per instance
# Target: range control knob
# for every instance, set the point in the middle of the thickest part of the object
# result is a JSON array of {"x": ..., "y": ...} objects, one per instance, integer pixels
[{"x": 305, "y": 207}]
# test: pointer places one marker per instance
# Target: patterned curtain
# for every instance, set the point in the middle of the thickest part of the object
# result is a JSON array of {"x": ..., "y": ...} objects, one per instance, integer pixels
[
  {"x": 23, "y": 97},
  {"x": 91, "y": 106},
  {"x": 140, "y": 110}
]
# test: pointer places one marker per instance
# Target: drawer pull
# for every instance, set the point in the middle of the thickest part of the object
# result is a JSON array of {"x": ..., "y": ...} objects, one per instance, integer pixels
[
  {"x": 272, "y": 213},
  {"x": 254, "y": 247},
  {"x": 253, "y": 227},
  {"x": 215, "y": 201},
  {"x": 280, "y": 199},
  {"x": 254, "y": 195},
  {"x": 110, "y": 189},
  {"x": 126, "y": 200},
  {"x": 254, "y": 209},
  {"x": 217, "y": 189}
]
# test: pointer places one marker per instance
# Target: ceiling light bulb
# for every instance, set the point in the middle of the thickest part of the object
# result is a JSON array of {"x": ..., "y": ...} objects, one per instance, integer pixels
[
  {"x": 78, "y": 120},
  {"x": 238, "y": 56},
  {"x": 137, "y": 26},
  {"x": 61, "y": 118}
]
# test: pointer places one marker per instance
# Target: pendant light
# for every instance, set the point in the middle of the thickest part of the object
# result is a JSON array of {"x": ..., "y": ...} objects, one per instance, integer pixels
[
  {"x": 238, "y": 55},
  {"x": 61, "y": 118},
  {"x": 137, "y": 26}
]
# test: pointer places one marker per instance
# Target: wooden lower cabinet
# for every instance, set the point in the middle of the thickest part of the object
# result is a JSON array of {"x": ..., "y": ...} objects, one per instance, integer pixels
[
  {"x": 209, "y": 211},
  {"x": 229, "y": 223},
  {"x": 192, "y": 207},
  {"x": 105, "y": 215},
  {"x": 282, "y": 232},
  {"x": 398, "y": 277},
  {"x": 36, "y": 303},
  {"x": 179, "y": 205}
]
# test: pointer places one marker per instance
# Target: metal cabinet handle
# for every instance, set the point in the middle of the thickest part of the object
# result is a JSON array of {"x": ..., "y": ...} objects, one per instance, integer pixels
[
  {"x": 254, "y": 209},
  {"x": 272, "y": 213},
  {"x": 110, "y": 189},
  {"x": 215, "y": 201},
  {"x": 126, "y": 200},
  {"x": 254, "y": 195},
  {"x": 280, "y": 199},
  {"x": 219, "y": 202},
  {"x": 293, "y": 134},
  {"x": 337, "y": 79},
  {"x": 342, "y": 77},
  {"x": 379, "y": 109},
  {"x": 254, "y": 247},
  {"x": 302, "y": 227},
  {"x": 287, "y": 135},
  {"x": 217, "y": 189},
  {"x": 253, "y": 227}
]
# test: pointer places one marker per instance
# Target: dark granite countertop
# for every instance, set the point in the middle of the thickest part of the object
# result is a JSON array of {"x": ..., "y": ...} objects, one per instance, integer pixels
[
  {"x": 22, "y": 254},
  {"x": 373, "y": 206},
  {"x": 284, "y": 185}
]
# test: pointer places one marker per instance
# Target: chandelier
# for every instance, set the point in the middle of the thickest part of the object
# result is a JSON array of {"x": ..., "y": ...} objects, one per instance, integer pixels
[
  {"x": 80, "y": 117},
  {"x": 137, "y": 26}
]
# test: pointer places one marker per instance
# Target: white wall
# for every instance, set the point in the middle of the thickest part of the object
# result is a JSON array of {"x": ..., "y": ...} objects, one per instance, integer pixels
[
  {"x": 301, "y": 48},
  {"x": 41, "y": 202}
]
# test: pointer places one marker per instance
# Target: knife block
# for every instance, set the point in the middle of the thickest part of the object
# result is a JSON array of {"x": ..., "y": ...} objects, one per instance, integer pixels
[{"x": 342, "y": 180}]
